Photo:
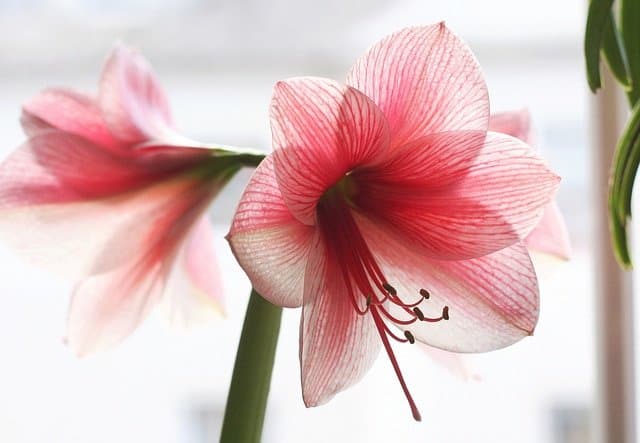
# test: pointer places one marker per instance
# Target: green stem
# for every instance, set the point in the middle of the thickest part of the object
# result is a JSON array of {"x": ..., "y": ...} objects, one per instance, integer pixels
[{"x": 249, "y": 390}]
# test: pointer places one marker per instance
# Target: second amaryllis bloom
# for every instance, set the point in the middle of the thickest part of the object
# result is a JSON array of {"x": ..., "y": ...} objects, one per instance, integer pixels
[
  {"x": 105, "y": 190},
  {"x": 390, "y": 214}
]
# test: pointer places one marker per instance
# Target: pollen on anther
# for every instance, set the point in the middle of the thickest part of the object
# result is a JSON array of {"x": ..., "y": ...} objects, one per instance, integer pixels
[
  {"x": 445, "y": 313},
  {"x": 425, "y": 294},
  {"x": 409, "y": 337},
  {"x": 418, "y": 313},
  {"x": 390, "y": 289}
]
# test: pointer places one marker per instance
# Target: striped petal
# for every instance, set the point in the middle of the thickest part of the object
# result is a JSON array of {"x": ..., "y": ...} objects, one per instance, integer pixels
[
  {"x": 321, "y": 130},
  {"x": 337, "y": 345},
  {"x": 425, "y": 80},
  {"x": 493, "y": 300},
  {"x": 270, "y": 244},
  {"x": 481, "y": 208},
  {"x": 67, "y": 111},
  {"x": 133, "y": 102}
]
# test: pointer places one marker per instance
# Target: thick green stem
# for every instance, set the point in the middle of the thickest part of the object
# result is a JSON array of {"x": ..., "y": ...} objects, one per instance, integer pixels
[{"x": 249, "y": 390}]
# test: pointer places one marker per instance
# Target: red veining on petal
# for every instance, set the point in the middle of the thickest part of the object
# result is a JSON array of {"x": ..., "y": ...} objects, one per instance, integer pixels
[{"x": 368, "y": 289}]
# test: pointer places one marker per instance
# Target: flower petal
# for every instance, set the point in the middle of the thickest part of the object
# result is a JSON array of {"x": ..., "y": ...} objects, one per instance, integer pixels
[
  {"x": 337, "y": 345},
  {"x": 550, "y": 236},
  {"x": 132, "y": 100},
  {"x": 193, "y": 293},
  {"x": 321, "y": 130},
  {"x": 268, "y": 242},
  {"x": 200, "y": 261},
  {"x": 483, "y": 206},
  {"x": 60, "y": 167},
  {"x": 514, "y": 123},
  {"x": 493, "y": 300},
  {"x": 425, "y": 80},
  {"x": 68, "y": 111},
  {"x": 106, "y": 308},
  {"x": 98, "y": 235}
]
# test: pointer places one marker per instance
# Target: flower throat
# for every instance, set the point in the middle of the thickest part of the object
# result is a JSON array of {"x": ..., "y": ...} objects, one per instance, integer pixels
[{"x": 369, "y": 291}]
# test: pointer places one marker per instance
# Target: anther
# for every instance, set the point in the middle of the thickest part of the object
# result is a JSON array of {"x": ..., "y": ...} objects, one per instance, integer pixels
[
  {"x": 390, "y": 289},
  {"x": 425, "y": 294},
  {"x": 368, "y": 300},
  {"x": 419, "y": 314},
  {"x": 445, "y": 313},
  {"x": 409, "y": 337}
]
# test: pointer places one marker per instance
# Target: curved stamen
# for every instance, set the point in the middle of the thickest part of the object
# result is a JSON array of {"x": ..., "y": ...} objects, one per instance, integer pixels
[
  {"x": 397, "y": 320},
  {"x": 444, "y": 316}
]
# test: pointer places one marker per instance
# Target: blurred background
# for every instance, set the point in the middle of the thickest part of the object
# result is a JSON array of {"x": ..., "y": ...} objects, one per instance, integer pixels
[{"x": 218, "y": 60}]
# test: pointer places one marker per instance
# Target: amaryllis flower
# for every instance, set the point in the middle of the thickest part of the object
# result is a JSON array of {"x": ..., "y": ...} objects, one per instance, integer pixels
[
  {"x": 105, "y": 190},
  {"x": 550, "y": 236},
  {"x": 390, "y": 214}
]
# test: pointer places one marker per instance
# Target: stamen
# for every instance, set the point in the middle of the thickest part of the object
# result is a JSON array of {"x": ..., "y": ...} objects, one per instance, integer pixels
[
  {"x": 444, "y": 316},
  {"x": 410, "y": 337},
  {"x": 425, "y": 294},
  {"x": 419, "y": 314},
  {"x": 390, "y": 289}
]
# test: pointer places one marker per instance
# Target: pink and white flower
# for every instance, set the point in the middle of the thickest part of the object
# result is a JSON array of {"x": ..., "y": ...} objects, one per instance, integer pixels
[
  {"x": 105, "y": 190},
  {"x": 387, "y": 206}
]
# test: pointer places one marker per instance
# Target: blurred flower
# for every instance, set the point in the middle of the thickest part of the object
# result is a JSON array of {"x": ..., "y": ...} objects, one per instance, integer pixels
[
  {"x": 387, "y": 204},
  {"x": 105, "y": 190},
  {"x": 550, "y": 236}
]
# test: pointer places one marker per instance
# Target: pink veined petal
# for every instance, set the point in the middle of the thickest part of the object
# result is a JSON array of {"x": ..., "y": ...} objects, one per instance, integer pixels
[
  {"x": 68, "y": 111},
  {"x": 201, "y": 263},
  {"x": 132, "y": 100},
  {"x": 514, "y": 123},
  {"x": 57, "y": 167},
  {"x": 321, "y": 130},
  {"x": 99, "y": 235},
  {"x": 493, "y": 300},
  {"x": 425, "y": 80},
  {"x": 432, "y": 161},
  {"x": 487, "y": 206},
  {"x": 337, "y": 345},
  {"x": 106, "y": 308},
  {"x": 269, "y": 243},
  {"x": 550, "y": 236},
  {"x": 193, "y": 293}
]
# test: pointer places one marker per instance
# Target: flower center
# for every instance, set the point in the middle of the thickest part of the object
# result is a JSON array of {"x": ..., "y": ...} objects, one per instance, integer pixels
[{"x": 369, "y": 291}]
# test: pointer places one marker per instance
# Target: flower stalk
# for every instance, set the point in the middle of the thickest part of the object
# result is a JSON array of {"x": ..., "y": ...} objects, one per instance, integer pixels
[{"x": 249, "y": 390}]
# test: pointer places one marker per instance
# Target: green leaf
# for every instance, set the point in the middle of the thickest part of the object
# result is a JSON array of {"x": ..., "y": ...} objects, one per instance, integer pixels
[
  {"x": 251, "y": 380},
  {"x": 619, "y": 240},
  {"x": 630, "y": 31},
  {"x": 625, "y": 165},
  {"x": 599, "y": 12},
  {"x": 623, "y": 174},
  {"x": 614, "y": 52}
]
